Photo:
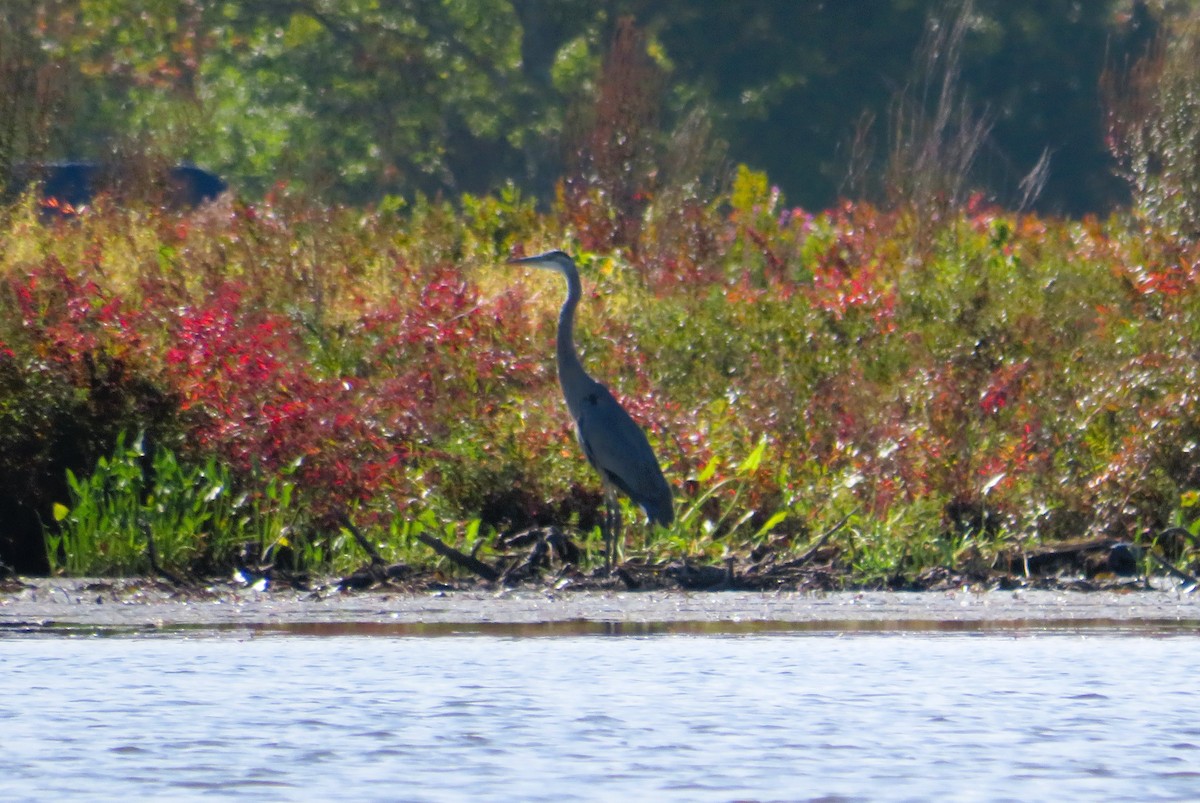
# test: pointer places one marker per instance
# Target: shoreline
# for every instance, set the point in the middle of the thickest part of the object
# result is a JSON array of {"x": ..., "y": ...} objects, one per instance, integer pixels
[{"x": 48, "y": 605}]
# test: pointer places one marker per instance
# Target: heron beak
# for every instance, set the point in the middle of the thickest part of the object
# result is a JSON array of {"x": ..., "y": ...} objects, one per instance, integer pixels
[
  {"x": 551, "y": 260},
  {"x": 525, "y": 260}
]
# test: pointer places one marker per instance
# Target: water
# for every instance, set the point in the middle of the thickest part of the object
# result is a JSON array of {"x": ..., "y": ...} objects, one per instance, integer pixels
[{"x": 665, "y": 717}]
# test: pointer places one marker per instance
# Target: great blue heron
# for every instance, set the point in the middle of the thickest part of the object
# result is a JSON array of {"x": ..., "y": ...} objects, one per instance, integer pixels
[{"x": 614, "y": 445}]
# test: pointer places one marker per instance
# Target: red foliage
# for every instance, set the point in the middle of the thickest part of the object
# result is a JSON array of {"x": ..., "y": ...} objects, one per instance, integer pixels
[
  {"x": 850, "y": 278},
  {"x": 1002, "y": 387},
  {"x": 70, "y": 320},
  {"x": 243, "y": 377}
]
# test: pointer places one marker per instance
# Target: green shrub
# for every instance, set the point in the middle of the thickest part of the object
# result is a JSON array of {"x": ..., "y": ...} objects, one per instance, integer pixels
[
  {"x": 135, "y": 508},
  {"x": 990, "y": 382}
]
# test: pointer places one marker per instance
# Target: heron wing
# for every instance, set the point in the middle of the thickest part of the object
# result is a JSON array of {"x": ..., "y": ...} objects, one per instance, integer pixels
[{"x": 617, "y": 447}]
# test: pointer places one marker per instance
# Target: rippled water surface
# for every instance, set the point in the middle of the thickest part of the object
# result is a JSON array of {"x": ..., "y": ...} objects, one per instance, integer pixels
[{"x": 664, "y": 717}]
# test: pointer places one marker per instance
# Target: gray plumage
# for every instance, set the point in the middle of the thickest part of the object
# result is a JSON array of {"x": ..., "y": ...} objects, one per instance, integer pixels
[{"x": 612, "y": 442}]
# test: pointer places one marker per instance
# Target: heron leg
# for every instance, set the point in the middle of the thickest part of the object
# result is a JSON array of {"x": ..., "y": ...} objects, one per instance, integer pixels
[{"x": 612, "y": 528}]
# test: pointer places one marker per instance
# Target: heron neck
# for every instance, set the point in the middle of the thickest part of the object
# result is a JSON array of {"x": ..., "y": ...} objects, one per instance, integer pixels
[{"x": 570, "y": 369}]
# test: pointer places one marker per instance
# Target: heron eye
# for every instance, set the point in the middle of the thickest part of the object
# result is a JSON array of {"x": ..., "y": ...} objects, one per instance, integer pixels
[{"x": 592, "y": 398}]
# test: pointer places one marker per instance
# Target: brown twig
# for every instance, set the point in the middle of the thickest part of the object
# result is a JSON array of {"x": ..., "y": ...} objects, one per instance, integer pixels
[
  {"x": 466, "y": 561},
  {"x": 820, "y": 542},
  {"x": 1179, "y": 574},
  {"x": 373, "y": 553}
]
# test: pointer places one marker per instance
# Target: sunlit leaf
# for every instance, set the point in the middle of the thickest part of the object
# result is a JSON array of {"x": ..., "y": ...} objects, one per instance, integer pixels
[
  {"x": 993, "y": 482},
  {"x": 771, "y": 523},
  {"x": 710, "y": 468},
  {"x": 752, "y": 461}
]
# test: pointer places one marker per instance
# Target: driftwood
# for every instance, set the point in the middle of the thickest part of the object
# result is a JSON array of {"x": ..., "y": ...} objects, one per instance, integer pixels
[
  {"x": 548, "y": 547},
  {"x": 378, "y": 571},
  {"x": 545, "y": 548},
  {"x": 1090, "y": 557},
  {"x": 812, "y": 551},
  {"x": 1086, "y": 555},
  {"x": 464, "y": 560},
  {"x": 1178, "y": 574},
  {"x": 379, "y": 568},
  {"x": 372, "y": 553},
  {"x": 547, "y": 555}
]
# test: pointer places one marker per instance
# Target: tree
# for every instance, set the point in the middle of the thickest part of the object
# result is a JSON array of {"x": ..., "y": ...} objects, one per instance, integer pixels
[
  {"x": 791, "y": 81},
  {"x": 362, "y": 98}
]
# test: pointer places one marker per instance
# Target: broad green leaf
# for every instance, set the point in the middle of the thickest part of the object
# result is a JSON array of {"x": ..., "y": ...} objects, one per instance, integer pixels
[
  {"x": 771, "y": 523},
  {"x": 754, "y": 459}
]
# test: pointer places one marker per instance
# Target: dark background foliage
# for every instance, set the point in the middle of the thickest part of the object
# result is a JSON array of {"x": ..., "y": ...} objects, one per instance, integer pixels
[{"x": 357, "y": 100}]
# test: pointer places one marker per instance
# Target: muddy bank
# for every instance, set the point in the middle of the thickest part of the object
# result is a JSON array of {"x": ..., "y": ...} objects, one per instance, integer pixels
[{"x": 32, "y": 605}]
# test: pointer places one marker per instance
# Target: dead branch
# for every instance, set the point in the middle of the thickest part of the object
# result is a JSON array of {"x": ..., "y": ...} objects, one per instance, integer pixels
[
  {"x": 465, "y": 561},
  {"x": 811, "y": 552}
]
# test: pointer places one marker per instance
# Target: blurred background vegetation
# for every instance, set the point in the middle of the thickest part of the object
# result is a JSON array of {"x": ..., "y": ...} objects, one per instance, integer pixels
[
  {"x": 927, "y": 272},
  {"x": 356, "y": 100}
]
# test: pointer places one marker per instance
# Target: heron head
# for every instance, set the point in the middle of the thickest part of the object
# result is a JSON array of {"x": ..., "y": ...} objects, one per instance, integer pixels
[{"x": 552, "y": 260}]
